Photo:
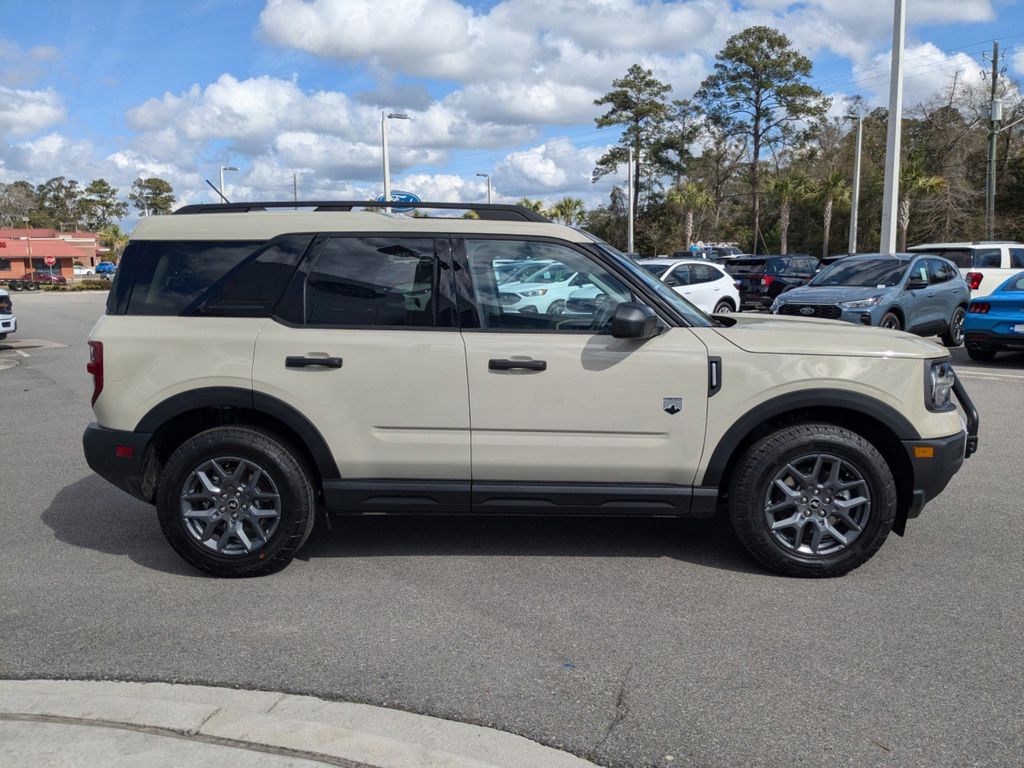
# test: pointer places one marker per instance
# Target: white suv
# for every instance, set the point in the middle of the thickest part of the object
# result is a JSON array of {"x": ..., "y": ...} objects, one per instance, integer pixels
[
  {"x": 8, "y": 322},
  {"x": 254, "y": 366},
  {"x": 983, "y": 264}
]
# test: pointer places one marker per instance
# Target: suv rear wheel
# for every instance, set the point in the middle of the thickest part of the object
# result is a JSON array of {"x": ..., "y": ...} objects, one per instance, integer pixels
[
  {"x": 812, "y": 500},
  {"x": 236, "y": 501}
]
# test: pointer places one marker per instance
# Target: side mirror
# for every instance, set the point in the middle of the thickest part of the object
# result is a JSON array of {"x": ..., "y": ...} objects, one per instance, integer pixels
[
  {"x": 916, "y": 284},
  {"x": 634, "y": 321}
]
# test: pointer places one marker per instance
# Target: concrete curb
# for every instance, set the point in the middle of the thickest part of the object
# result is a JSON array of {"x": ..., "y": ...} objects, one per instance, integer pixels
[{"x": 333, "y": 733}]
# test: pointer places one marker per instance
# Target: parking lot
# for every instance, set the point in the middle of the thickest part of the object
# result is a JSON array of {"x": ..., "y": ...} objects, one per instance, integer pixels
[{"x": 632, "y": 642}]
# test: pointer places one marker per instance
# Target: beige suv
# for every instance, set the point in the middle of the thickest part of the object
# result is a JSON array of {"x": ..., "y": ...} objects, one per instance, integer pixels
[{"x": 255, "y": 365}]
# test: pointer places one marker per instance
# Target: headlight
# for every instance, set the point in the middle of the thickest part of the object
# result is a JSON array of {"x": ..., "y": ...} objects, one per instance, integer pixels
[
  {"x": 938, "y": 385},
  {"x": 534, "y": 292},
  {"x": 861, "y": 303}
]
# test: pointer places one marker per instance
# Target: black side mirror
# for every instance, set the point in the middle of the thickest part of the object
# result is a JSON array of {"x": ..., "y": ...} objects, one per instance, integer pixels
[
  {"x": 634, "y": 321},
  {"x": 916, "y": 284}
]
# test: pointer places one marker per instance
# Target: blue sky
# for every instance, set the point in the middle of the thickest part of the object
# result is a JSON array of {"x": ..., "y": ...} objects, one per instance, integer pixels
[{"x": 122, "y": 89}]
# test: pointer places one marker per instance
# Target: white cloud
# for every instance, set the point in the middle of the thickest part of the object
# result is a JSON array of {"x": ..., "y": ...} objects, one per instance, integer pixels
[
  {"x": 1017, "y": 60},
  {"x": 556, "y": 165},
  {"x": 927, "y": 71},
  {"x": 23, "y": 113}
]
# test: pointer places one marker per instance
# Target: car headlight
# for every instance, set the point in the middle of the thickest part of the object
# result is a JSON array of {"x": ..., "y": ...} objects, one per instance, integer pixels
[
  {"x": 938, "y": 385},
  {"x": 861, "y": 303},
  {"x": 534, "y": 292}
]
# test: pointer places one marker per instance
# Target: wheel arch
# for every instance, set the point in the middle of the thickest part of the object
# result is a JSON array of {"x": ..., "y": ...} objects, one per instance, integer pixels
[
  {"x": 181, "y": 416},
  {"x": 878, "y": 423},
  {"x": 897, "y": 310}
]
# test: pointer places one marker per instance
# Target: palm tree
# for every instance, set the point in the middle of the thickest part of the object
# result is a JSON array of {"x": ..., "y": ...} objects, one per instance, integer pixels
[
  {"x": 537, "y": 206},
  {"x": 691, "y": 197},
  {"x": 831, "y": 189},
  {"x": 787, "y": 189},
  {"x": 914, "y": 182},
  {"x": 116, "y": 240},
  {"x": 568, "y": 210}
]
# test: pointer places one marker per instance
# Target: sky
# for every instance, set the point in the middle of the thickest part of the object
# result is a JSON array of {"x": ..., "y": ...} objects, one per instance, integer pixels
[{"x": 179, "y": 88}]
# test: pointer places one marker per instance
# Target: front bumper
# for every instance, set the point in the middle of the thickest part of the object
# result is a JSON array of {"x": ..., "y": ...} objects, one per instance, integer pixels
[
  {"x": 8, "y": 324},
  {"x": 127, "y": 472}
]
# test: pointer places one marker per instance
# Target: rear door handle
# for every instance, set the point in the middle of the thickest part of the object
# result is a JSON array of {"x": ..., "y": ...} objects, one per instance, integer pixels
[
  {"x": 508, "y": 365},
  {"x": 305, "y": 362}
]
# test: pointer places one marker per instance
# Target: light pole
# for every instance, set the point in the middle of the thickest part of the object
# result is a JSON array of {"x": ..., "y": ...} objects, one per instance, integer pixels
[
  {"x": 629, "y": 214},
  {"x": 855, "y": 195},
  {"x": 384, "y": 117},
  {"x": 891, "y": 194},
  {"x": 222, "y": 169},
  {"x": 488, "y": 177}
]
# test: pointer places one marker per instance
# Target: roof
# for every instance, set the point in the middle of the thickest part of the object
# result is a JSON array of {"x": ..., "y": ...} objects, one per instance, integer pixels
[
  {"x": 27, "y": 232},
  {"x": 973, "y": 244},
  {"x": 670, "y": 262},
  {"x": 20, "y": 248},
  {"x": 263, "y": 225}
]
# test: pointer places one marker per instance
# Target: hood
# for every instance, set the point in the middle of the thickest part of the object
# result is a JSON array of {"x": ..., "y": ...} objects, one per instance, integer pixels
[
  {"x": 831, "y": 294},
  {"x": 774, "y": 334}
]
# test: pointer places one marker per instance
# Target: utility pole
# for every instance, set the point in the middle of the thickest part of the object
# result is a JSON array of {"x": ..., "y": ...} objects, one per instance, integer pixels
[
  {"x": 295, "y": 190},
  {"x": 488, "y": 177},
  {"x": 855, "y": 195},
  {"x": 384, "y": 117},
  {"x": 629, "y": 224},
  {"x": 995, "y": 117},
  {"x": 891, "y": 194}
]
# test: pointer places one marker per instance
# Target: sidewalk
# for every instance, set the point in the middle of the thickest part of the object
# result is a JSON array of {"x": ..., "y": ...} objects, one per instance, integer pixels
[{"x": 65, "y": 723}]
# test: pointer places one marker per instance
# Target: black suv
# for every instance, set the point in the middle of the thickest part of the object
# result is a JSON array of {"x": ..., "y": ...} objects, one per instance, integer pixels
[{"x": 761, "y": 278}]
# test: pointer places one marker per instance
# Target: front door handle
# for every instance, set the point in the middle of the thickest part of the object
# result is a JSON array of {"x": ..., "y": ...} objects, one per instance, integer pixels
[
  {"x": 305, "y": 362},
  {"x": 508, "y": 365}
]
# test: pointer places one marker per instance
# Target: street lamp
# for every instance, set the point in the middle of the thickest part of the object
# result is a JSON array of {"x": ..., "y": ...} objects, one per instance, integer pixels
[
  {"x": 222, "y": 169},
  {"x": 488, "y": 177},
  {"x": 891, "y": 192},
  {"x": 855, "y": 196},
  {"x": 384, "y": 117}
]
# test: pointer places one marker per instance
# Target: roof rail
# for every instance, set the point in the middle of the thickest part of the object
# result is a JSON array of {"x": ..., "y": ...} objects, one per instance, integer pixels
[
  {"x": 488, "y": 211},
  {"x": 995, "y": 242}
]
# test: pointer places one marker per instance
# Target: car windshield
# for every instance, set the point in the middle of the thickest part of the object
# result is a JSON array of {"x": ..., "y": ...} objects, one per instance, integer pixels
[
  {"x": 862, "y": 273},
  {"x": 552, "y": 273},
  {"x": 693, "y": 315},
  {"x": 1015, "y": 283}
]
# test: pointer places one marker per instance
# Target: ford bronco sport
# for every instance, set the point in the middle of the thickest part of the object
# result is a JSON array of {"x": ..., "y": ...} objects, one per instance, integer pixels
[{"x": 257, "y": 365}]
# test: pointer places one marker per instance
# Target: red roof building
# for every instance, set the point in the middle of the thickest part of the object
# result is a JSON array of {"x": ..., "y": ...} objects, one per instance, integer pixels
[{"x": 24, "y": 250}]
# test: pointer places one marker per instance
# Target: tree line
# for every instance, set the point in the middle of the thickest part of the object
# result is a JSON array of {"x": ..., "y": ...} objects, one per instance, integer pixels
[{"x": 753, "y": 158}]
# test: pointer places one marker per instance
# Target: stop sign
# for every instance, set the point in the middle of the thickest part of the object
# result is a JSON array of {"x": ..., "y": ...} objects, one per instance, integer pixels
[{"x": 49, "y": 260}]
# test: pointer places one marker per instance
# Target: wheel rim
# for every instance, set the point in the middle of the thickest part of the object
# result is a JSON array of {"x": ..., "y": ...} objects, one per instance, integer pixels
[
  {"x": 957, "y": 327},
  {"x": 817, "y": 505},
  {"x": 723, "y": 308},
  {"x": 230, "y": 506},
  {"x": 891, "y": 322},
  {"x": 558, "y": 308}
]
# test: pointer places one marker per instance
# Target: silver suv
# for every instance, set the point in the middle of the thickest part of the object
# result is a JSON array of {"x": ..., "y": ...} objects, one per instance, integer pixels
[{"x": 257, "y": 365}]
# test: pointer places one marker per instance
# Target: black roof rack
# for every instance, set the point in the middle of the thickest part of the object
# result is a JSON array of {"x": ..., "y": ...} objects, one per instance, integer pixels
[{"x": 488, "y": 211}]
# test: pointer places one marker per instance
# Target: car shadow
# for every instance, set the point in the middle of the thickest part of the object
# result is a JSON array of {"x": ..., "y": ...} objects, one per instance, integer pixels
[
  {"x": 93, "y": 515},
  {"x": 1012, "y": 361}
]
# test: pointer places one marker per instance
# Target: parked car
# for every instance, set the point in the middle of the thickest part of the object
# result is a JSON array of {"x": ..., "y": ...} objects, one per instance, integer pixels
[
  {"x": 984, "y": 264},
  {"x": 242, "y": 387},
  {"x": 693, "y": 253},
  {"x": 726, "y": 252},
  {"x": 31, "y": 281},
  {"x": 921, "y": 294},
  {"x": 761, "y": 278},
  {"x": 8, "y": 322},
  {"x": 106, "y": 267},
  {"x": 82, "y": 271},
  {"x": 544, "y": 290},
  {"x": 704, "y": 284},
  {"x": 995, "y": 322}
]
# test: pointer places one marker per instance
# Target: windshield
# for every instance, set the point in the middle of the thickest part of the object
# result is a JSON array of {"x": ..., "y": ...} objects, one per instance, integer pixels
[
  {"x": 693, "y": 315},
  {"x": 883, "y": 273}
]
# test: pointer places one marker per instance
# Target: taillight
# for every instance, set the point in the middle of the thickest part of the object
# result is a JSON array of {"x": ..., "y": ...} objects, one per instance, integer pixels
[
  {"x": 767, "y": 280},
  {"x": 974, "y": 280},
  {"x": 978, "y": 307},
  {"x": 95, "y": 367}
]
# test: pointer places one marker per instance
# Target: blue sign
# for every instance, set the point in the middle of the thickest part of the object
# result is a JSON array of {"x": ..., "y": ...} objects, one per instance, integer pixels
[{"x": 398, "y": 196}]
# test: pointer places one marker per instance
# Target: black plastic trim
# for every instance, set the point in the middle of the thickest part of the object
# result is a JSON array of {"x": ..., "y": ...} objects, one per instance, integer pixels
[
  {"x": 126, "y": 473},
  {"x": 486, "y": 211},
  {"x": 932, "y": 475},
  {"x": 397, "y": 496},
  {"x": 796, "y": 401},
  {"x": 714, "y": 375},
  {"x": 973, "y": 420}
]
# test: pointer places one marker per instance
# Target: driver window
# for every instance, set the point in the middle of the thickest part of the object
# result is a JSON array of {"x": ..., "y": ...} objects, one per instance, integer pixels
[
  {"x": 920, "y": 271},
  {"x": 570, "y": 292}
]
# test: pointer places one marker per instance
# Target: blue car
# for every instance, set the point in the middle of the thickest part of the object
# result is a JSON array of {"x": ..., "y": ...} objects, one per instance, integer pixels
[
  {"x": 918, "y": 293},
  {"x": 106, "y": 267},
  {"x": 996, "y": 322}
]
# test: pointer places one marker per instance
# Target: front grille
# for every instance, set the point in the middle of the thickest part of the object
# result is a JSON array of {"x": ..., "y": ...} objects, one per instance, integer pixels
[
  {"x": 508, "y": 298},
  {"x": 828, "y": 311}
]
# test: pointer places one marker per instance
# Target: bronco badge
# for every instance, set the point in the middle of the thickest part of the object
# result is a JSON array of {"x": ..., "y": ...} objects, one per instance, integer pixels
[{"x": 672, "y": 405}]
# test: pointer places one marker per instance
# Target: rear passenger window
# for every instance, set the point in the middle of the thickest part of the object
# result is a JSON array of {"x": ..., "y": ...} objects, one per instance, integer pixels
[
  {"x": 939, "y": 271},
  {"x": 702, "y": 273},
  {"x": 1017, "y": 258},
  {"x": 989, "y": 257},
  {"x": 372, "y": 281},
  {"x": 171, "y": 275}
]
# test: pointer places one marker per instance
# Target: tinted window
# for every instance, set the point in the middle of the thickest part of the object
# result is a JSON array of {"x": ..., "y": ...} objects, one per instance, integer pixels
[
  {"x": 173, "y": 274},
  {"x": 959, "y": 256},
  {"x": 369, "y": 281},
  {"x": 939, "y": 271},
  {"x": 678, "y": 276},
  {"x": 654, "y": 269},
  {"x": 5, "y": 265},
  {"x": 862, "y": 273},
  {"x": 702, "y": 273},
  {"x": 745, "y": 266},
  {"x": 1015, "y": 285},
  {"x": 1016, "y": 258},
  {"x": 920, "y": 270},
  {"x": 253, "y": 287},
  {"x": 777, "y": 267},
  {"x": 988, "y": 257}
]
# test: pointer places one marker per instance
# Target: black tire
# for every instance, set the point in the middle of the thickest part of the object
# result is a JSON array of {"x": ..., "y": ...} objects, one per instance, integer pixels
[
  {"x": 556, "y": 308},
  {"x": 279, "y": 461},
  {"x": 16, "y": 286},
  {"x": 981, "y": 355},
  {"x": 31, "y": 286},
  {"x": 3, "y": 336},
  {"x": 891, "y": 320},
  {"x": 723, "y": 307},
  {"x": 954, "y": 335},
  {"x": 753, "y": 482}
]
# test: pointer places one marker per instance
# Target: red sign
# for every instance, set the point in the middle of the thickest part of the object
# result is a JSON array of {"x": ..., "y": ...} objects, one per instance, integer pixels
[{"x": 49, "y": 260}]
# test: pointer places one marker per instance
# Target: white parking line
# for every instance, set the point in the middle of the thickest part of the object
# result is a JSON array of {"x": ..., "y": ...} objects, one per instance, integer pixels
[
  {"x": 23, "y": 354},
  {"x": 992, "y": 376}
]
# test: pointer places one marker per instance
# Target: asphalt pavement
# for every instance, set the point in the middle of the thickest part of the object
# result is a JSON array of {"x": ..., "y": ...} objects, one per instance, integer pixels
[{"x": 627, "y": 642}]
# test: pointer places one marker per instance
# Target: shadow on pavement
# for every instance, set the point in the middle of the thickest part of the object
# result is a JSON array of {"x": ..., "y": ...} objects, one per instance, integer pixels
[
  {"x": 1012, "y": 362},
  {"x": 92, "y": 515}
]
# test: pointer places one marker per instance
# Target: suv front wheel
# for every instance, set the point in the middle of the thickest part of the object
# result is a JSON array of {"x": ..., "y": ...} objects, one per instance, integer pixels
[
  {"x": 812, "y": 500},
  {"x": 236, "y": 501}
]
